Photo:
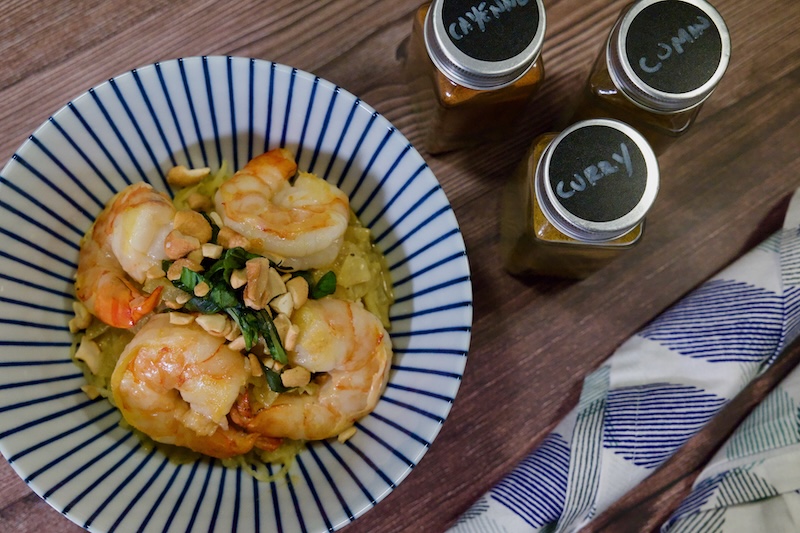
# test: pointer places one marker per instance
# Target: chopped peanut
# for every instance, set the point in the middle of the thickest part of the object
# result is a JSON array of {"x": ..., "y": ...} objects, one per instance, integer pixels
[
  {"x": 180, "y": 319},
  {"x": 176, "y": 268},
  {"x": 201, "y": 289},
  {"x": 173, "y": 305},
  {"x": 155, "y": 272},
  {"x": 217, "y": 219},
  {"x": 192, "y": 224},
  {"x": 298, "y": 288},
  {"x": 272, "y": 364},
  {"x": 276, "y": 284},
  {"x": 178, "y": 245},
  {"x": 283, "y": 304},
  {"x": 181, "y": 176},
  {"x": 345, "y": 435},
  {"x": 257, "y": 291},
  {"x": 233, "y": 332},
  {"x": 238, "y": 278},
  {"x": 91, "y": 391},
  {"x": 89, "y": 353},
  {"x": 182, "y": 298},
  {"x": 237, "y": 344},
  {"x": 296, "y": 377},
  {"x": 292, "y": 333},
  {"x": 227, "y": 238},
  {"x": 282, "y": 325},
  {"x": 82, "y": 317},
  {"x": 196, "y": 256},
  {"x": 199, "y": 202},
  {"x": 255, "y": 366},
  {"x": 214, "y": 324},
  {"x": 212, "y": 251}
]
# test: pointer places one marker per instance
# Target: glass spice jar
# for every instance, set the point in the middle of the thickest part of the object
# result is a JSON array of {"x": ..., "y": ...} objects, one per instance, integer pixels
[
  {"x": 472, "y": 67},
  {"x": 577, "y": 200},
  {"x": 662, "y": 60}
]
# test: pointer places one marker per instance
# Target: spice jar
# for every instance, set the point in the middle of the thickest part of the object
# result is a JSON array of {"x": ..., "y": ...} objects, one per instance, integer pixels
[
  {"x": 662, "y": 60},
  {"x": 578, "y": 199},
  {"x": 473, "y": 67}
]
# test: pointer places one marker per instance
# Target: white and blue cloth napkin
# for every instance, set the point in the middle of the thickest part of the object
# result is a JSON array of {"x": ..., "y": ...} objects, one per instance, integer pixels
[
  {"x": 655, "y": 392},
  {"x": 753, "y": 482}
]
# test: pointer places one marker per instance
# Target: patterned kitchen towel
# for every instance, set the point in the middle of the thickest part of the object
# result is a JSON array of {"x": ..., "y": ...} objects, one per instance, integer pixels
[
  {"x": 655, "y": 392},
  {"x": 753, "y": 482}
]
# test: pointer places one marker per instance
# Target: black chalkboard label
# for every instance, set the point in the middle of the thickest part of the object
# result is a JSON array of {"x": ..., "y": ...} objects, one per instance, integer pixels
[
  {"x": 673, "y": 46},
  {"x": 491, "y": 30},
  {"x": 598, "y": 173}
]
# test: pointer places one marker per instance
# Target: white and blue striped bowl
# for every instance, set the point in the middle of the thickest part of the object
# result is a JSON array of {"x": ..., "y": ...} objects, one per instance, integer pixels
[{"x": 200, "y": 111}]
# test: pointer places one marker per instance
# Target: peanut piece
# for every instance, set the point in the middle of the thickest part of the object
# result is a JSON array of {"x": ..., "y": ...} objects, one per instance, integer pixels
[
  {"x": 155, "y": 272},
  {"x": 201, "y": 289},
  {"x": 192, "y": 224},
  {"x": 212, "y": 251},
  {"x": 283, "y": 304},
  {"x": 227, "y": 238},
  {"x": 345, "y": 435},
  {"x": 82, "y": 318},
  {"x": 180, "y": 319},
  {"x": 89, "y": 353},
  {"x": 214, "y": 324},
  {"x": 199, "y": 202},
  {"x": 296, "y": 377},
  {"x": 178, "y": 245},
  {"x": 181, "y": 176},
  {"x": 237, "y": 344},
  {"x": 176, "y": 268},
  {"x": 238, "y": 278},
  {"x": 290, "y": 341},
  {"x": 298, "y": 288},
  {"x": 257, "y": 291}
]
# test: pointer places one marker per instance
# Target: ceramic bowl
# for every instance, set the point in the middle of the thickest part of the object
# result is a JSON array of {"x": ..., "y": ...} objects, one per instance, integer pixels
[{"x": 199, "y": 111}]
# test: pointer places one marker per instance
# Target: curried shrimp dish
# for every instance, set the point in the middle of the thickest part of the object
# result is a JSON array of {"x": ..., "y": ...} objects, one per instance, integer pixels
[{"x": 237, "y": 320}]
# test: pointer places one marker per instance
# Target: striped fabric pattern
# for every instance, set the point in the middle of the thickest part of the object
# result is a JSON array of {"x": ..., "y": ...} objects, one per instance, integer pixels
[
  {"x": 200, "y": 112},
  {"x": 754, "y": 476},
  {"x": 648, "y": 423},
  {"x": 663, "y": 385}
]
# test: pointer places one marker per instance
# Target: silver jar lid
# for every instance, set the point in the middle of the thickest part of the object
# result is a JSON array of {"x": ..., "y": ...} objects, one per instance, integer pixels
[
  {"x": 596, "y": 180},
  {"x": 668, "y": 55},
  {"x": 484, "y": 44}
]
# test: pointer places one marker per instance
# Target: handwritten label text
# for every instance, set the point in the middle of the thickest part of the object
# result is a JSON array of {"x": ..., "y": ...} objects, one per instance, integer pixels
[
  {"x": 594, "y": 173},
  {"x": 480, "y": 15},
  {"x": 685, "y": 36}
]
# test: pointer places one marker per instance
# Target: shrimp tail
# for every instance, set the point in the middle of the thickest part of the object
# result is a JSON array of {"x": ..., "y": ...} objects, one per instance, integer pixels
[
  {"x": 123, "y": 305},
  {"x": 242, "y": 415}
]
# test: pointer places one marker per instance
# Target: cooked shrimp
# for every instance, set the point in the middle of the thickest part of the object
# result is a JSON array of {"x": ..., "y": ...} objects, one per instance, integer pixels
[
  {"x": 126, "y": 240},
  {"x": 302, "y": 223},
  {"x": 177, "y": 384},
  {"x": 348, "y": 343}
]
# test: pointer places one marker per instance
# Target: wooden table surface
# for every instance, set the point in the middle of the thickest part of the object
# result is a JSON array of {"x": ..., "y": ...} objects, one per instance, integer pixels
[{"x": 723, "y": 187}]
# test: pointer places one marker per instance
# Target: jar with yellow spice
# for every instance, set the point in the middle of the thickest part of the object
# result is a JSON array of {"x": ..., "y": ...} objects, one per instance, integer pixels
[
  {"x": 473, "y": 67},
  {"x": 662, "y": 60},
  {"x": 578, "y": 200}
]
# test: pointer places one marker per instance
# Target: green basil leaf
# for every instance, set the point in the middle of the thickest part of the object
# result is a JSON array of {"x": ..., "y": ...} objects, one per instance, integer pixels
[
  {"x": 223, "y": 296},
  {"x": 273, "y": 340},
  {"x": 325, "y": 286},
  {"x": 274, "y": 380},
  {"x": 201, "y": 305},
  {"x": 214, "y": 227},
  {"x": 244, "y": 320}
]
